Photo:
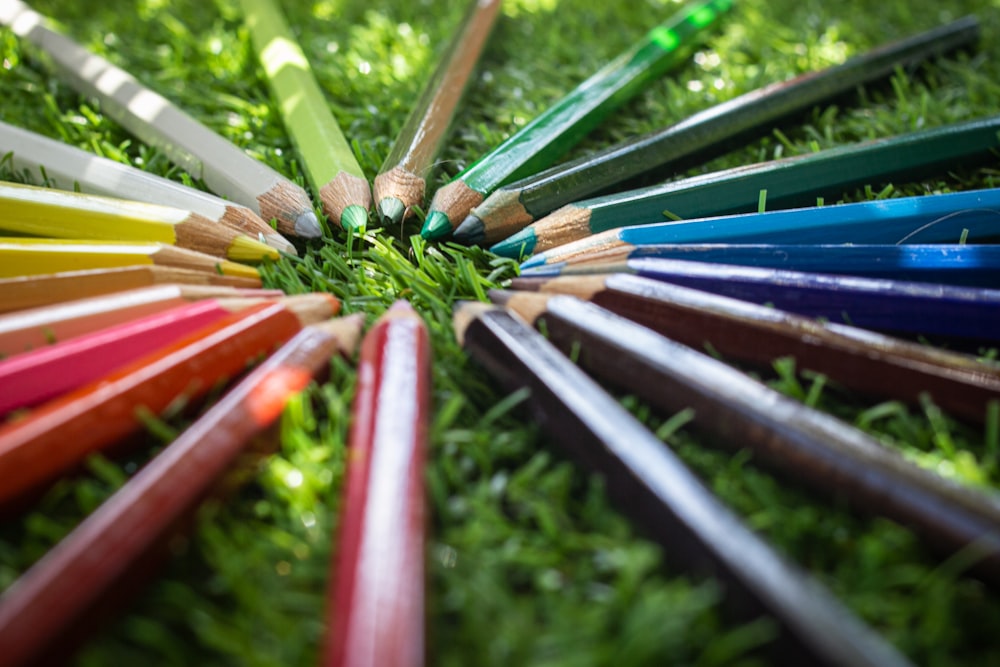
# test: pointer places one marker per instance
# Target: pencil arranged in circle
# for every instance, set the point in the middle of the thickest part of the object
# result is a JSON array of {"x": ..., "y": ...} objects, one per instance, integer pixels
[
  {"x": 940, "y": 218},
  {"x": 861, "y": 360},
  {"x": 226, "y": 169},
  {"x": 660, "y": 154},
  {"x": 402, "y": 179},
  {"x": 793, "y": 181},
  {"x": 945, "y": 264},
  {"x": 543, "y": 140},
  {"x": 326, "y": 156},
  {"x": 25, "y": 330},
  {"x": 376, "y": 614},
  {"x": 31, "y": 256},
  {"x": 900, "y": 307},
  {"x": 66, "y": 167},
  {"x": 53, "y": 370},
  {"x": 54, "y": 438},
  {"x": 101, "y": 558},
  {"x": 42, "y": 290},
  {"x": 650, "y": 483},
  {"x": 802, "y": 442},
  {"x": 52, "y": 213}
]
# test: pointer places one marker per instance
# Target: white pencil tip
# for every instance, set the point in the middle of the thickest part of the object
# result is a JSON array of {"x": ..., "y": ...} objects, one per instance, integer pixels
[{"x": 307, "y": 225}]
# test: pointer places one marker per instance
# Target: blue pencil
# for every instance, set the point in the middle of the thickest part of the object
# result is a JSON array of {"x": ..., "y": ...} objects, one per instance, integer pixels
[
  {"x": 926, "y": 219},
  {"x": 905, "y": 308}
]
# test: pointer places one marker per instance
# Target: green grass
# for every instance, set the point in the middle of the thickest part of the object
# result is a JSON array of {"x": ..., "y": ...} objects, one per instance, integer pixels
[{"x": 528, "y": 564}]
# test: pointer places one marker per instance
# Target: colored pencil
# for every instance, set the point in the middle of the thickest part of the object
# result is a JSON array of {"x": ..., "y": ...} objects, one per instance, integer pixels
[
  {"x": 942, "y": 218},
  {"x": 948, "y": 264},
  {"x": 25, "y": 330},
  {"x": 401, "y": 181},
  {"x": 225, "y": 169},
  {"x": 543, "y": 140},
  {"x": 100, "y": 557},
  {"x": 31, "y": 256},
  {"x": 376, "y": 593},
  {"x": 42, "y": 290},
  {"x": 56, "y": 437},
  {"x": 51, "y": 371},
  {"x": 648, "y": 481},
  {"x": 326, "y": 156},
  {"x": 860, "y": 360},
  {"x": 45, "y": 212},
  {"x": 793, "y": 181},
  {"x": 812, "y": 447},
  {"x": 66, "y": 167},
  {"x": 661, "y": 154},
  {"x": 900, "y": 307}
]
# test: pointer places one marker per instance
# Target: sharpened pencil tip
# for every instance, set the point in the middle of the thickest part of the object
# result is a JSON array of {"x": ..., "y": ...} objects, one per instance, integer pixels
[
  {"x": 436, "y": 226},
  {"x": 516, "y": 246},
  {"x": 307, "y": 225},
  {"x": 354, "y": 217},
  {"x": 533, "y": 261},
  {"x": 391, "y": 210},
  {"x": 472, "y": 231},
  {"x": 543, "y": 270}
]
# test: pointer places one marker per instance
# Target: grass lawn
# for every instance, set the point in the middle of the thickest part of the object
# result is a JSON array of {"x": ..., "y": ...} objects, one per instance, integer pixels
[{"x": 528, "y": 563}]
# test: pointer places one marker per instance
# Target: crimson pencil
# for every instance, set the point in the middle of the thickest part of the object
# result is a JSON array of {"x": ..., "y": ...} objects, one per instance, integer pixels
[
  {"x": 60, "y": 434},
  {"x": 377, "y": 592}
]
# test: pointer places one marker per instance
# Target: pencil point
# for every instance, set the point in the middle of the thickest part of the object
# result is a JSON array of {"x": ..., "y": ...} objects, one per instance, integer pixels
[
  {"x": 472, "y": 231},
  {"x": 533, "y": 261},
  {"x": 543, "y": 271},
  {"x": 391, "y": 210},
  {"x": 354, "y": 217},
  {"x": 307, "y": 225},
  {"x": 516, "y": 246},
  {"x": 245, "y": 249},
  {"x": 436, "y": 226}
]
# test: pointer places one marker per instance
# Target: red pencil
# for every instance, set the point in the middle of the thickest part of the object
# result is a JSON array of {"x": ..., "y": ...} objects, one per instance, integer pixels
[
  {"x": 31, "y": 378},
  {"x": 60, "y": 434},
  {"x": 101, "y": 557},
  {"x": 377, "y": 591}
]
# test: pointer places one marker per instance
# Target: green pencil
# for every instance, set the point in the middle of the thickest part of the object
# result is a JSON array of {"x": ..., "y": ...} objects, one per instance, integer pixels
[
  {"x": 326, "y": 156},
  {"x": 788, "y": 182},
  {"x": 540, "y": 142},
  {"x": 664, "y": 153}
]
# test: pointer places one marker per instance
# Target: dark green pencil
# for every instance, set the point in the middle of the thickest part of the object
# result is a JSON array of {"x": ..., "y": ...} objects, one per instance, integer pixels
[
  {"x": 793, "y": 181},
  {"x": 659, "y": 155}
]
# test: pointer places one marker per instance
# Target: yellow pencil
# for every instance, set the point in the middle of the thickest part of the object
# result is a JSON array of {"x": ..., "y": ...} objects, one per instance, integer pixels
[
  {"x": 31, "y": 257},
  {"x": 72, "y": 215}
]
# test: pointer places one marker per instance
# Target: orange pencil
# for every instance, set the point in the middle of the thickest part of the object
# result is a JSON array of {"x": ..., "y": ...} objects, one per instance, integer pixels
[
  {"x": 59, "y": 435},
  {"x": 100, "y": 559}
]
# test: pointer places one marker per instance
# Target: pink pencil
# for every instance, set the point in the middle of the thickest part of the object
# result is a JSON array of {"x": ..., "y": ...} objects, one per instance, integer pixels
[{"x": 33, "y": 377}]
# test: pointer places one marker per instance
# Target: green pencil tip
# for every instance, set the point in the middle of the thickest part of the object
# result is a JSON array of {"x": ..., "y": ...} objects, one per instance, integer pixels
[
  {"x": 436, "y": 226},
  {"x": 516, "y": 246},
  {"x": 307, "y": 225},
  {"x": 391, "y": 210},
  {"x": 472, "y": 231},
  {"x": 354, "y": 217}
]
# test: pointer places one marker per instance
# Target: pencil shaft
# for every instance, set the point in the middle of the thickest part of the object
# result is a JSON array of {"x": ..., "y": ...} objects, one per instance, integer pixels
[{"x": 651, "y": 483}]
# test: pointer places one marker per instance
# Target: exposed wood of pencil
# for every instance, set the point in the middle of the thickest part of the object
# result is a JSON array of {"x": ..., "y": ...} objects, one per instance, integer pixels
[
  {"x": 67, "y": 167},
  {"x": 326, "y": 156},
  {"x": 42, "y": 290},
  {"x": 788, "y": 182},
  {"x": 400, "y": 183},
  {"x": 30, "y": 256},
  {"x": 227, "y": 170},
  {"x": 49, "y": 213},
  {"x": 377, "y": 591},
  {"x": 857, "y": 359},
  {"x": 649, "y": 482},
  {"x": 37, "y": 327},
  {"x": 740, "y": 412},
  {"x": 103, "y": 555},
  {"x": 659, "y": 155},
  {"x": 56, "y": 437}
]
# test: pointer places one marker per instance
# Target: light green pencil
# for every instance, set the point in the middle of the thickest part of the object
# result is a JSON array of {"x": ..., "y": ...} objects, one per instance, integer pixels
[{"x": 326, "y": 156}]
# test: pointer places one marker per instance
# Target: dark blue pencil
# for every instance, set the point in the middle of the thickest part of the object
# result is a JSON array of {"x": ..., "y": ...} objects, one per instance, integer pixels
[{"x": 905, "y": 308}]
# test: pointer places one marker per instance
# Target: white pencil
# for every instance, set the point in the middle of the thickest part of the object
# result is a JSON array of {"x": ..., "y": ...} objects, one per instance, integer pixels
[
  {"x": 227, "y": 170},
  {"x": 66, "y": 167}
]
